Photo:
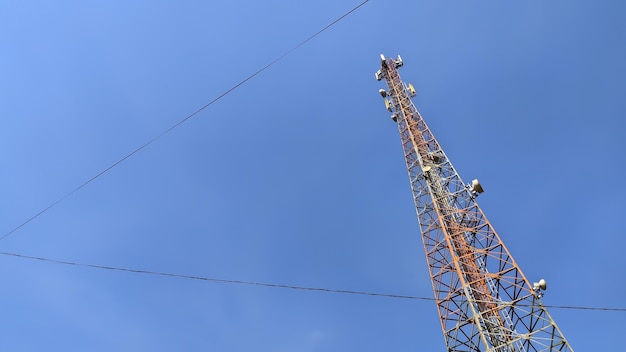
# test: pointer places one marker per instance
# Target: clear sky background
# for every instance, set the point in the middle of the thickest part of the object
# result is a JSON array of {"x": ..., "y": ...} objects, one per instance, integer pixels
[{"x": 297, "y": 177}]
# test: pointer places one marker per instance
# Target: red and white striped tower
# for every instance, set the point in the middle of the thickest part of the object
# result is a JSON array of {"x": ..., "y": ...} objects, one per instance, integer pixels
[{"x": 484, "y": 300}]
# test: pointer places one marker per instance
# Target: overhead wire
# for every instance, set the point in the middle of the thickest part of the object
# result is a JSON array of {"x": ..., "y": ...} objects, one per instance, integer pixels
[
  {"x": 265, "y": 284},
  {"x": 177, "y": 124},
  {"x": 202, "y": 278}
]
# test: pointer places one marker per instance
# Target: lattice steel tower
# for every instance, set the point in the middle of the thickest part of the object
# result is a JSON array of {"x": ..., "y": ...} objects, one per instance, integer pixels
[{"x": 484, "y": 300}]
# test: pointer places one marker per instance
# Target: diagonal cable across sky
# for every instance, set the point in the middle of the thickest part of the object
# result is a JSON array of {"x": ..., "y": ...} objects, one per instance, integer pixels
[{"x": 182, "y": 121}]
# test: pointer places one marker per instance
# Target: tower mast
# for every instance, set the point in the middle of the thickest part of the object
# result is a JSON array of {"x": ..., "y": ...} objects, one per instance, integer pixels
[{"x": 485, "y": 302}]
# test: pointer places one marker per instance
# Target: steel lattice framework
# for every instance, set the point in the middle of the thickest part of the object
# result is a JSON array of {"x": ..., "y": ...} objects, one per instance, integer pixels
[{"x": 485, "y": 302}]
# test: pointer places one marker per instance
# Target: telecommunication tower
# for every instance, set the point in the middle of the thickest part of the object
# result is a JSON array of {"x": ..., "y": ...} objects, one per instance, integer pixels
[{"x": 485, "y": 302}]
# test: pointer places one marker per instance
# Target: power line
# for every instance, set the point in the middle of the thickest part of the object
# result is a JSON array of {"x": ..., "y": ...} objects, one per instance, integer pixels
[
  {"x": 176, "y": 125},
  {"x": 202, "y": 278},
  {"x": 265, "y": 284}
]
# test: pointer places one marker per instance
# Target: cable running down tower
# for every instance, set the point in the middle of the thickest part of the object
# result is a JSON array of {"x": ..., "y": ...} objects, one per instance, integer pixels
[{"x": 485, "y": 302}]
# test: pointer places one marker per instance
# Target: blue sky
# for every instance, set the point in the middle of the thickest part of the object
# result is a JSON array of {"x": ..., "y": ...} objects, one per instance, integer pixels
[{"x": 297, "y": 177}]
